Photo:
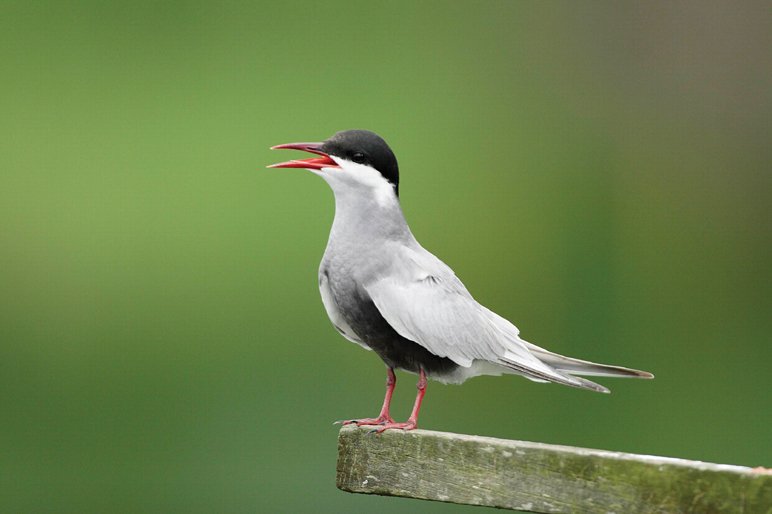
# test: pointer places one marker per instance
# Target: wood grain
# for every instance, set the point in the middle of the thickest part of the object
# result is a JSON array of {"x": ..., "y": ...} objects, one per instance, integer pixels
[{"x": 542, "y": 478}]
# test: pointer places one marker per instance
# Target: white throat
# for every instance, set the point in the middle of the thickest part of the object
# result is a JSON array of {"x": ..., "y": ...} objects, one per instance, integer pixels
[
  {"x": 366, "y": 204},
  {"x": 357, "y": 181}
]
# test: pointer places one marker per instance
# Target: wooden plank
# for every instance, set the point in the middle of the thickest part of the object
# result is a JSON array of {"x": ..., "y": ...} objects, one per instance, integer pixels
[{"x": 542, "y": 478}]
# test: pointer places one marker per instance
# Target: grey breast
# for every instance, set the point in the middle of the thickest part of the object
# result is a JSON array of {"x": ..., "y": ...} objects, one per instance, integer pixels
[
  {"x": 349, "y": 308},
  {"x": 332, "y": 298}
]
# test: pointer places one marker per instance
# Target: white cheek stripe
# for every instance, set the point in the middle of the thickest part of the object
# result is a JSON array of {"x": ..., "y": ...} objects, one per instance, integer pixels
[{"x": 354, "y": 175}]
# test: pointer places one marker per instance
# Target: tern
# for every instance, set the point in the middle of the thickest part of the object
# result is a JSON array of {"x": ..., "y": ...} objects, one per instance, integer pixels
[{"x": 382, "y": 290}]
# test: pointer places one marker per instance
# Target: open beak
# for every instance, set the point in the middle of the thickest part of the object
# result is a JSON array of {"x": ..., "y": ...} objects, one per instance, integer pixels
[{"x": 315, "y": 163}]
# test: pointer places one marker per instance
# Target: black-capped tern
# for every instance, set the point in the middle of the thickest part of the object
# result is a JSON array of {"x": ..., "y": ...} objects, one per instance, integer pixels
[{"x": 382, "y": 290}]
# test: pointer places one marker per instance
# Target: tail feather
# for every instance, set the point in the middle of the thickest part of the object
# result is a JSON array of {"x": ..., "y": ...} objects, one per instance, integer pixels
[
  {"x": 580, "y": 367},
  {"x": 541, "y": 365},
  {"x": 549, "y": 374}
]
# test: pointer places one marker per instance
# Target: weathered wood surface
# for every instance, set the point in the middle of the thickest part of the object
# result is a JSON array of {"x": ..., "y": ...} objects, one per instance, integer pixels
[{"x": 543, "y": 478}]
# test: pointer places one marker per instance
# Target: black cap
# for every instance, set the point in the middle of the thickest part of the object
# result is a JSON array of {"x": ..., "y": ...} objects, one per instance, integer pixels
[{"x": 365, "y": 147}]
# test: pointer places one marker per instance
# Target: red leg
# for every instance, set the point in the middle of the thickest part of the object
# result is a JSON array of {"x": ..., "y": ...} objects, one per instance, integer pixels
[
  {"x": 383, "y": 417},
  {"x": 412, "y": 421}
]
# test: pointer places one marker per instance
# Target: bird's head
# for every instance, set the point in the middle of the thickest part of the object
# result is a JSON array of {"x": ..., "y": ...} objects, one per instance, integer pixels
[{"x": 351, "y": 160}]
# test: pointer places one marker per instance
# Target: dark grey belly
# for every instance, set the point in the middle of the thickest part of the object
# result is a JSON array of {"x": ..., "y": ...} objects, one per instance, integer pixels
[{"x": 371, "y": 327}]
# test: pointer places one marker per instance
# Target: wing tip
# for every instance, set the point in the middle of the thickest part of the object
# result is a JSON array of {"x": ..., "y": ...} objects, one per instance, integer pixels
[{"x": 632, "y": 373}]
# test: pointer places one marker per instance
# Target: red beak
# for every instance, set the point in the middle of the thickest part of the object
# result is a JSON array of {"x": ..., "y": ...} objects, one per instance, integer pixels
[{"x": 315, "y": 163}]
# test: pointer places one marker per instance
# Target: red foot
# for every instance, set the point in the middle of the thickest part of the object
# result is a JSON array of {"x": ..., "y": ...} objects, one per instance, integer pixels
[
  {"x": 408, "y": 425},
  {"x": 380, "y": 420},
  {"x": 384, "y": 422}
]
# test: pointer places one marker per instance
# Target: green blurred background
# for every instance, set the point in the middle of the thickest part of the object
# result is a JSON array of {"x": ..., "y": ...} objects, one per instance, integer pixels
[{"x": 598, "y": 173}]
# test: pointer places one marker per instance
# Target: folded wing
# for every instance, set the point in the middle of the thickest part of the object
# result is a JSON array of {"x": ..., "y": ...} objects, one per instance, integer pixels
[{"x": 437, "y": 312}]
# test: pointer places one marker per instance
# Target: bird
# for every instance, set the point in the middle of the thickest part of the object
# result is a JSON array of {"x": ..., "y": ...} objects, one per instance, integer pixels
[{"x": 383, "y": 291}]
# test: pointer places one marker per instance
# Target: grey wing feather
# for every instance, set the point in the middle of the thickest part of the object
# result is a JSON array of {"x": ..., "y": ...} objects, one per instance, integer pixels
[{"x": 429, "y": 305}]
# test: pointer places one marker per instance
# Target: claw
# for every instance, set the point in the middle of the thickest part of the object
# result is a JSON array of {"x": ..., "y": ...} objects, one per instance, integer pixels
[
  {"x": 408, "y": 425},
  {"x": 366, "y": 421}
]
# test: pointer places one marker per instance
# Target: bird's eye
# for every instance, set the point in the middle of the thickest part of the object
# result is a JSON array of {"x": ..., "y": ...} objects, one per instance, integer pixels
[{"x": 358, "y": 157}]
